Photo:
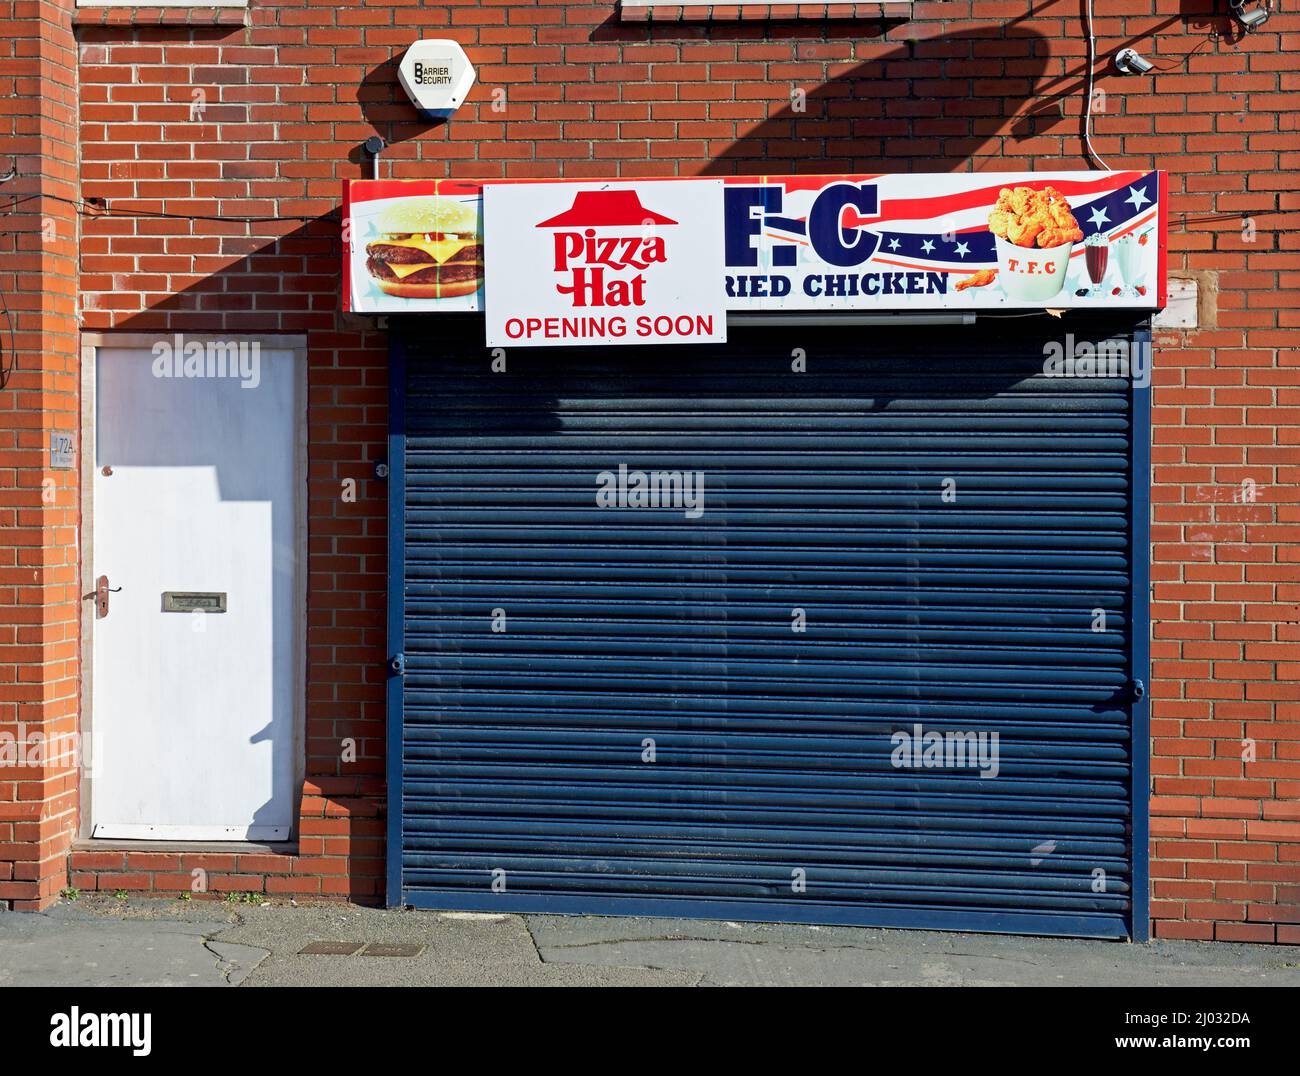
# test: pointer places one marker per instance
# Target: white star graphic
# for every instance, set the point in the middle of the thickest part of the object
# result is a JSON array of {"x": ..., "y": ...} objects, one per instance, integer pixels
[
  {"x": 893, "y": 244},
  {"x": 1137, "y": 197},
  {"x": 963, "y": 249},
  {"x": 1098, "y": 218},
  {"x": 927, "y": 246}
]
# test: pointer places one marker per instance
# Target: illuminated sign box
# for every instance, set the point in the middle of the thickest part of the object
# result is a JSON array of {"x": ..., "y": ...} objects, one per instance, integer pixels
[{"x": 888, "y": 243}]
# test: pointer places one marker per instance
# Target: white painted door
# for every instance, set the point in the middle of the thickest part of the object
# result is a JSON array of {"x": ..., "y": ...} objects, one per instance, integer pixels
[{"x": 195, "y": 482}]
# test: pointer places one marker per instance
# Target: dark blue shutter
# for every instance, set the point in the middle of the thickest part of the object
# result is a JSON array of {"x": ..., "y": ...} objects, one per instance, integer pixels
[{"x": 521, "y": 751}]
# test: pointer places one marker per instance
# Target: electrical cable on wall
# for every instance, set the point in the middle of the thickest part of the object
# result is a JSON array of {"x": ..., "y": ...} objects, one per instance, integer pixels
[
  {"x": 8, "y": 355},
  {"x": 91, "y": 209},
  {"x": 1087, "y": 104},
  {"x": 1183, "y": 218},
  {"x": 1213, "y": 36}
]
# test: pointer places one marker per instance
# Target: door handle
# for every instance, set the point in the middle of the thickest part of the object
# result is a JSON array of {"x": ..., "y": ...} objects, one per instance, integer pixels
[{"x": 100, "y": 594}]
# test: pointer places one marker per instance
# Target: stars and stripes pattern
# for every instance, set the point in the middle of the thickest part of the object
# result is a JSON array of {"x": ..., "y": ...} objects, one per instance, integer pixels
[{"x": 950, "y": 231}]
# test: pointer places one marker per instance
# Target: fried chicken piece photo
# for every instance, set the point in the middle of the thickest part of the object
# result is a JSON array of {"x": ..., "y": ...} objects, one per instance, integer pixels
[
  {"x": 978, "y": 279},
  {"x": 1033, "y": 218}
]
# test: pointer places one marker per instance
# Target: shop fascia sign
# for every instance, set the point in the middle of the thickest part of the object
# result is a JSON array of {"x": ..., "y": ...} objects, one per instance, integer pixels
[{"x": 883, "y": 243}]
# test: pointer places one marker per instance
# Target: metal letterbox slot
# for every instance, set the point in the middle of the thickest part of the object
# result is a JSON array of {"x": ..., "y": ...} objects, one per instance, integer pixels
[{"x": 186, "y": 601}]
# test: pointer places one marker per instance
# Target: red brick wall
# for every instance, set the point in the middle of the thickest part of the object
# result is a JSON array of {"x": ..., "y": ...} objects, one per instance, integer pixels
[
  {"x": 340, "y": 856},
  {"x": 566, "y": 90},
  {"x": 39, "y": 607}
]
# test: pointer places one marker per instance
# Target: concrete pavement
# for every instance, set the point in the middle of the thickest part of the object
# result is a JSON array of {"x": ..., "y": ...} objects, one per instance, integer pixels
[
  {"x": 156, "y": 941},
  {"x": 69, "y": 946}
]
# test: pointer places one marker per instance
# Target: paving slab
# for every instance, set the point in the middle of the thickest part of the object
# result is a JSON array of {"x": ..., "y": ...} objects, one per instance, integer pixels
[
  {"x": 69, "y": 946},
  {"x": 755, "y": 954},
  {"x": 450, "y": 950}
]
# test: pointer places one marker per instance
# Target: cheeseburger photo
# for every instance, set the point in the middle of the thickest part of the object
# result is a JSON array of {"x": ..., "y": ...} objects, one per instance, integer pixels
[{"x": 426, "y": 248}]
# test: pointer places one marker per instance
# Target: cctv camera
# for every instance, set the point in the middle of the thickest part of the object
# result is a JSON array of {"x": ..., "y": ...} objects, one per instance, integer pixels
[
  {"x": 1251, "y": 20},
  {"x": 1130, "y": 62}
]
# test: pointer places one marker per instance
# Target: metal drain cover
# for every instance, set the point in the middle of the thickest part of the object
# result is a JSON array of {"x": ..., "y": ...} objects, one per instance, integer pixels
[
  {"x": 386, "y": 949},
  {"x": 330, "y": 948}
]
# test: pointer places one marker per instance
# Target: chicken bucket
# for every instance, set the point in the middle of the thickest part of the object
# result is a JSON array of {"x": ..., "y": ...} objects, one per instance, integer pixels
[{"x": 1031, "y": 274}]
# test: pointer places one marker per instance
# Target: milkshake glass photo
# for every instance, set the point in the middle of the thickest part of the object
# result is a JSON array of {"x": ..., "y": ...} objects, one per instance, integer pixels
[
  {"x": 1128, "y": 259},
  {"x": 1096, "y": 256}
]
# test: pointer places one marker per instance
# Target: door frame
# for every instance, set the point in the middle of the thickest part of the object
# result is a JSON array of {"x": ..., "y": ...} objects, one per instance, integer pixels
[{"x": 91, "y": 342}]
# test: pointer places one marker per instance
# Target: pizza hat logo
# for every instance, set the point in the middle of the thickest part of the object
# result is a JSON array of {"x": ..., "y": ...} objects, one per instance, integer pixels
[{"x": 594, "y": 267}]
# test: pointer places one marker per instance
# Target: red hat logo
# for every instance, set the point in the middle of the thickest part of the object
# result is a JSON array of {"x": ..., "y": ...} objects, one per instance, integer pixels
[{"x": 599, "y": 209}]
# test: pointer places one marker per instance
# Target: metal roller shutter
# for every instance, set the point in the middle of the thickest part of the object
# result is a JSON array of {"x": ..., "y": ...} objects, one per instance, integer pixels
[{"x": 950, "y": 525}]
